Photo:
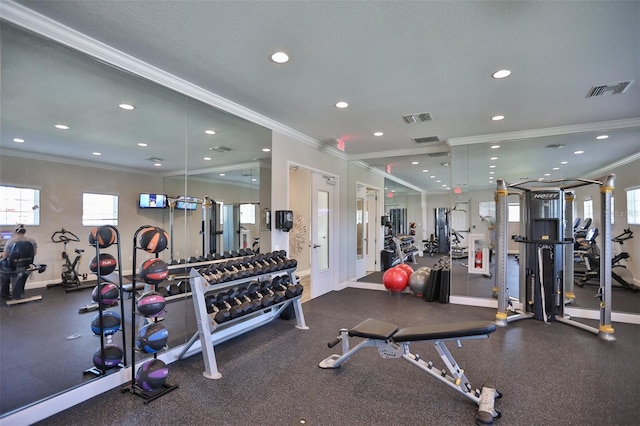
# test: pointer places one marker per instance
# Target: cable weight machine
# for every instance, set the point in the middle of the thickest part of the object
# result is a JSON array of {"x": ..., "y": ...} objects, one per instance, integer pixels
[{"x": 546, "y": 252}]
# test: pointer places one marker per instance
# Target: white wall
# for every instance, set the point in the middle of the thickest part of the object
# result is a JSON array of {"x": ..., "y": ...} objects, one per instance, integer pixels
[{"x": 61, "y": 186}]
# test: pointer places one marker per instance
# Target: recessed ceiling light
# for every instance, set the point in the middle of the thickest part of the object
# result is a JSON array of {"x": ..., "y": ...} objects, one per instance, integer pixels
[
  {"x": 210, "y": 132},
  {"x": 341, "y": 104},
  {"x": 127, "y": 107},
  {"x": 157, "y": 164},
  {"x": 438, "y": 181},
  {"x": 378, "y": 134},
  {"x": 495, "y": 146},
  {"x": 547, "y": 174},
  {"x": 493, "y": 158},
  {"x": 253, "y": 179},
  {"x": 414, "y": 163},
  {"x": 97, "y": 154},
  {"x": 556, "y": 168},
  {"x": 425, "y": 171},
  {"x": 497, "y": 117},
  {"x": 501, "y": 74},
  {"x": 432, "y": 176},
  {"x": 18, "y": 140},
  {"x": 601, "y": 137},
  {"x": 564, "y": 162},
  {"x": 142, "y": 144},
  {"x": 207, "y": 158},
  {"x": 266, "y": 149},
  {"x": 578, "y": 152},
  {"x": 280, "y": 58},
  {"x": 444, "y": 185},
  {"x": 222, "y": 174},
  {"x": 492, "y": 173},
  {"x": 62, "y": 126},
  {"x": 492, "y": 167}
]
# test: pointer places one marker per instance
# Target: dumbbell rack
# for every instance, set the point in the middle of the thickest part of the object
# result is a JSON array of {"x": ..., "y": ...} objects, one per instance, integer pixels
[
  {"x": 405, "y": 250},
  {"x": 210, "y": 333}
]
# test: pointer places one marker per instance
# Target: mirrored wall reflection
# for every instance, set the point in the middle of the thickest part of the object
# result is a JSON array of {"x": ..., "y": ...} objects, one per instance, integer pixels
[
  {"x": 475, "y": 169},
  {"x": 109, "y": 148}
]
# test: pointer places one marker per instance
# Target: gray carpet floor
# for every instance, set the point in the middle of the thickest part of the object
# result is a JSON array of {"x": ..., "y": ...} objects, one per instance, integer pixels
[{"x": 550, "y": 374}]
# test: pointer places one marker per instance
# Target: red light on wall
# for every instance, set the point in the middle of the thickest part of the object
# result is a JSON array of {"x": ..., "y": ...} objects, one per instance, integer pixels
[
  {"x": 389, "y": 194},
  {"x": 340, "y": 144},
  {"x": 457, "y": 190},
  {"x": 388, "y": 168}
]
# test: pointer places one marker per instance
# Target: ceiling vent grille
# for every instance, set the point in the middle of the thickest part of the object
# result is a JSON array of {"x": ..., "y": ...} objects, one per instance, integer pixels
[
  {"x": 220, "y": 148},
  {"x": 428, "y": 139},
  {"x": 417, "y": 118},
  {"x": 438, "y": 154},
  {"x": 609, "y": 89}
]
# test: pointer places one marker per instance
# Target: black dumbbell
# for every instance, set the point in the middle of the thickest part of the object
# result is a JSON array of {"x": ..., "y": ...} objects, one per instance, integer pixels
[
  {"x": 279, "y": 284},
  {"x": 268, "y": 296},
  {"x": 254, "y": 304},
  {"x": 221, "y": 308},
  {"x": 253, "y": 293},
  {"x": 238, "y": 308}
]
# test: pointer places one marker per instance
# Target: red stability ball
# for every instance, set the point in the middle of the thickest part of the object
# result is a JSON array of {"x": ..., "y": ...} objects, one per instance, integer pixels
[
  {"x": 395, "y": 279},
  {"x": 407, "y": 268}
]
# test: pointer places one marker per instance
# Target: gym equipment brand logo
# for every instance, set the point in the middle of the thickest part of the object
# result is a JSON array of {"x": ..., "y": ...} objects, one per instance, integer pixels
[{"x": 546, "y": 195}]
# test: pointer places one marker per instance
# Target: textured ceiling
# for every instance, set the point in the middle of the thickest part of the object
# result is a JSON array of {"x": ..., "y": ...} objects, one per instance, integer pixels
[{"x": 390, "y": 58}]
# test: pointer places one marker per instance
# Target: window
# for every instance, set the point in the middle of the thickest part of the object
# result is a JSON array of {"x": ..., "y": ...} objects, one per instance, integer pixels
[
  {"x": 633, "y": 206},
  {"x": 514, "y": 212},
  {"x": 588, "y": 209},
  {"x": 99, "y": 209},
  {"x": 248, "y": 214},
  {"x": 487, "y": 209},
  {"x": 19, "y": 205}
]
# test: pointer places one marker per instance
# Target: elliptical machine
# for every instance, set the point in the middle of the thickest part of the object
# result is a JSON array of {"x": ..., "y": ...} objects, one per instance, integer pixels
[
  {"x": 619, "y": 272},
  {"x": 70, "y": 276}
]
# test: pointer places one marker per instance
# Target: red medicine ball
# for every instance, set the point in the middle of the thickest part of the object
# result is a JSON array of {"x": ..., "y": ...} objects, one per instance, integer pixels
[
  {"x": 103, "y": 235},
  {"x": 154, "y": 271},
  {"x": 153, "y": 239},
  {"x": 108, "y": 264}
]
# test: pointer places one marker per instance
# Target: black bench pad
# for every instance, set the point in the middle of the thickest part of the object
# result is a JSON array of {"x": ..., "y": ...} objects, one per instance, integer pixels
[
  {"x": 444, "y": 331},
  {"x": 373, "y": 329}
]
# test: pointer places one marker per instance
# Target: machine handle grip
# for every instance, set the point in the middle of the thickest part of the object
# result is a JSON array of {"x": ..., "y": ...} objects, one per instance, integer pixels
[{"x": 334, "y": 342}]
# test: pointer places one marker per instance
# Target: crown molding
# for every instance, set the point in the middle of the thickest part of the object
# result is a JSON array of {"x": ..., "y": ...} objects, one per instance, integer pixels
[
  {"x": 549, "y": 131},
  {"x": 47, "y": 27}
]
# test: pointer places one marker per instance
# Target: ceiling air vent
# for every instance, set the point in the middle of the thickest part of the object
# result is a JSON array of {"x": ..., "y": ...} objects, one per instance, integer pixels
[
  {"x": 609, "y": 89},
  {"x": 428, "y": 139},
  {"x": 417, "y": 118},
  {"x": 220, "y": 149}
]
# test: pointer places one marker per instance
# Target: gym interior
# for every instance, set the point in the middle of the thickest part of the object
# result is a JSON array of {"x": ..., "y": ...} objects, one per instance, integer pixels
[{"x": 238, "y": 287}]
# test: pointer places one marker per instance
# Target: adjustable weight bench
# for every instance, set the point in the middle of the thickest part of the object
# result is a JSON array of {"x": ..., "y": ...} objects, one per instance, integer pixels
[{"x": 394, "y": 343}]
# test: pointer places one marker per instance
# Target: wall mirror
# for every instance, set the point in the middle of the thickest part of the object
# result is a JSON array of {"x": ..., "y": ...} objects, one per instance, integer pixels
[
  {"x": 473, "y": 181},
  {"x": 168, "y": 144}
]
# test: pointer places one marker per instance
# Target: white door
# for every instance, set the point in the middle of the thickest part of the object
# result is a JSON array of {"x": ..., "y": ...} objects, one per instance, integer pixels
[
  {"x": 323, "y": 240},
  {"x": 374, "y": 231}
]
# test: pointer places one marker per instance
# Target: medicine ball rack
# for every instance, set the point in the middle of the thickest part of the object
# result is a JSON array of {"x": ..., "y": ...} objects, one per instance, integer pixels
[
  {"x": 100, "y": 280},
  {"x": 134, "y": 388},
  {"x": 210, "y": 333}
]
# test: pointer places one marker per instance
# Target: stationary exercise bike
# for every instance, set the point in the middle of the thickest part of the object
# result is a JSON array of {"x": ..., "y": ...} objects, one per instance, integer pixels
[{"x": 70, "y": 276}]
